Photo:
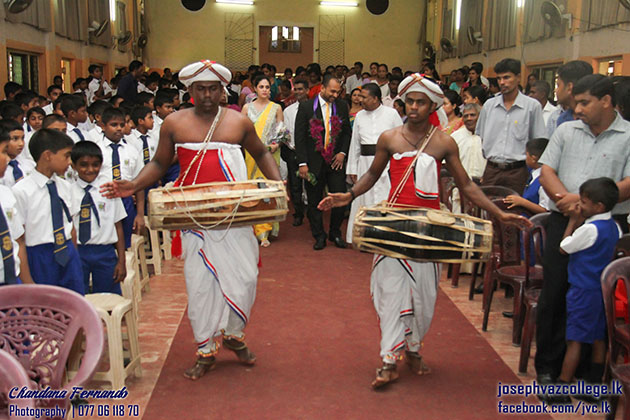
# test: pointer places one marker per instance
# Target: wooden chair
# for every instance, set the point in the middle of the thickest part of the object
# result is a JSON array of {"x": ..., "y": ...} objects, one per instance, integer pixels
[
  {"x": 113, "y": 310},
  {"x": 137, "y": 247},
  {"x": 507, "y": 268},
  {"x": 618, "y": 335}
]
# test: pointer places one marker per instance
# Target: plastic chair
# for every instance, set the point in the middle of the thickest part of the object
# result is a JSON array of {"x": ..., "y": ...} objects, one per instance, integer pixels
[
  {"x": 156, "y": 252},
  {"x": 618, "y": 335},
  {"x": 39, "y": 324},
  {"x": 137, "y": 247},
  {"x": 506, "y": 266},
  {"x": 113, "y": 310},
  {"x": 532, "y": 294},
  {"x": 13, "y": 375}
]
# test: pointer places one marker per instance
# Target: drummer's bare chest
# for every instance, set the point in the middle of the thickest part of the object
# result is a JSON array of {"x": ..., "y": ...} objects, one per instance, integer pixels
[{"x": 192, "y": 130}]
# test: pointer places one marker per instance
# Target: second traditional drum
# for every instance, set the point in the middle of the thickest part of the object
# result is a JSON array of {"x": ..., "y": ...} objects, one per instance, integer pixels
[{"x": 422, "y": 234}]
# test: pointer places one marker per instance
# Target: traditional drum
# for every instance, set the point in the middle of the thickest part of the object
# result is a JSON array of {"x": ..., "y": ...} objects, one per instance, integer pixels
[
  {"x": 217, "y": 205},
  {"x": 422, "y": 234}
]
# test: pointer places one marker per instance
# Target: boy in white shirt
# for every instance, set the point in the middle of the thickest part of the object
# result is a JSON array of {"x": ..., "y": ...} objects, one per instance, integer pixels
[
  {"x": 19, "y": 166},
  {"x": 75, "y": 111},
  {"x": 101, "y": 241},
  {"x": 96, "y": 114},
  {"x": 44, "y": 202},
  {"x": 97, "y": 88},
  {"x": 11, "y": 229},
  {"x": 122, "y": 161}
]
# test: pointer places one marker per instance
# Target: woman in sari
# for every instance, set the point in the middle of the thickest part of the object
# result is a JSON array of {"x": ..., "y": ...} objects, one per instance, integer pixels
[{"x": 269, "y": 123}]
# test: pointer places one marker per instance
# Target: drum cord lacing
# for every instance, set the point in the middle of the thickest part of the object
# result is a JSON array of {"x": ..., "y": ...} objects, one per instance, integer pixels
[{"x": 202, "y": 153}]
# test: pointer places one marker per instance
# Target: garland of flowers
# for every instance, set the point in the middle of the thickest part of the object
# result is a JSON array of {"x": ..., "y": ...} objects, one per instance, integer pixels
[{"x": 317, "y": 131}]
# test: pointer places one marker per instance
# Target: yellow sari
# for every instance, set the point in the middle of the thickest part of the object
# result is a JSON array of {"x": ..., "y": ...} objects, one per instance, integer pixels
[{"x": 264, "y": 123}]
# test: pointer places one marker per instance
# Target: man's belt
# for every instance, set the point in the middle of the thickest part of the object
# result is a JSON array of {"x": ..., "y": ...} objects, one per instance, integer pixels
[
  {"x": 368, "y": 149},
  {"x": 506, "y": 166}
]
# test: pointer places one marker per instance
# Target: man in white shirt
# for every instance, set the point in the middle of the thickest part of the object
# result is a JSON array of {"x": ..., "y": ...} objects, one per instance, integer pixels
[
  {"x": 369, "y": 124},
  {"x": 394, "y": 81},
  {"x": 355, "y": 80},
  {"x": 287, "y": 151},
  {"x": 540, "y": 91}
]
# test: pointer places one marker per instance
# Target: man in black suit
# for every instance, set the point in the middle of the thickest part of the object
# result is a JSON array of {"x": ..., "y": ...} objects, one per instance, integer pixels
[{"x": 322, "y": 140}]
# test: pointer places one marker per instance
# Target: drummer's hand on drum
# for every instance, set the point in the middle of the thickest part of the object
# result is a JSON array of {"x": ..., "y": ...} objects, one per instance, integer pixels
[
  {"x": 335, "y": 200},
  {"x": 117, "y": 189},
  {"x": 519, "y": 221},
  {"x": 337, "y": 162}
]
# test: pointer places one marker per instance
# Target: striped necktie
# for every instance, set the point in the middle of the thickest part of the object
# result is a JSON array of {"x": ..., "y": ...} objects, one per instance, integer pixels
[
  {"x": 17, "y": 172},
  {"x": 60, "y": 248},
  {"x": 85, "y": 217},
  {"x": 8, "y": 261},
  {"x": 327, "y": 125},
  {"x": 145, "y": 148},
  {"x": 115, "y": 162},
  {"x": 79, "y": 133}
]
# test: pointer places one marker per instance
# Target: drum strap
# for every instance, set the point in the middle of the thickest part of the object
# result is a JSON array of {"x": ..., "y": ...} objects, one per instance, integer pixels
[
  {"x": 202, "y": 150},
  {"x": 410, "y": 168}
]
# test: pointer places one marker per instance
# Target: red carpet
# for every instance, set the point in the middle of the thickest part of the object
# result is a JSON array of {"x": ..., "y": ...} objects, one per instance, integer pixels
[{"x": 316, "y": 336}]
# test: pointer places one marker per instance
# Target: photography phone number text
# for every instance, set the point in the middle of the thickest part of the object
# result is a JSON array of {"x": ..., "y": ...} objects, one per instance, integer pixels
[{"x": 105, "y": 410}]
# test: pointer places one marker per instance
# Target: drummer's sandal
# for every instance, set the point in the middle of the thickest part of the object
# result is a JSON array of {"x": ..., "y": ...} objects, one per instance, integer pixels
[
  {"x": 416, "y": 364},
  {"x": 202, "y": 366},
  {"x": 240, "y": 349},
  {"x": 384, "y": 375}
]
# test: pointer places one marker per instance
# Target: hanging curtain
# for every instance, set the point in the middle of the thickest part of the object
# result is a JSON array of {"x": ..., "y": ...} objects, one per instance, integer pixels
[
  {"x": 36, "y": 15},
  {"x": 501, "y": 24}
]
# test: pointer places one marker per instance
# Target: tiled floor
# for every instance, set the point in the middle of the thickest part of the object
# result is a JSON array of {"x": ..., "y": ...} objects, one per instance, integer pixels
[{"x": 162, "y": 308}]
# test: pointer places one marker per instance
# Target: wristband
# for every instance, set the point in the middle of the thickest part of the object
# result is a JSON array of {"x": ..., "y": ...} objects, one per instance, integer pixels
[{"x": 352, "y": 195}]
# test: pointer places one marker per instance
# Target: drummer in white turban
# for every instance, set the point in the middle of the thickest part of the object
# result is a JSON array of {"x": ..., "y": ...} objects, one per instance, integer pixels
[
  {"x": 221, "y": 266},
  {"x": 404, "y": 291}
]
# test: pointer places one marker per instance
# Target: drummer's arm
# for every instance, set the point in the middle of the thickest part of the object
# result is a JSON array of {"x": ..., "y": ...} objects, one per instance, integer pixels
[
  {"x": 260, "y": 153},
  {"x": 471, "y": 190}
]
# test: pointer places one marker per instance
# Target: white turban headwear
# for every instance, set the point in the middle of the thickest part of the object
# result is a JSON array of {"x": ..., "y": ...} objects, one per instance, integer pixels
[
  {"x": 418, "y": 83},
  {"x": 205, "y": 71}
]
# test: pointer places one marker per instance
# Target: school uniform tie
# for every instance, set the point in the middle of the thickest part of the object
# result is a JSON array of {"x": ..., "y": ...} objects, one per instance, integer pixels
[
  {"x": 327, "y": 125},
  {"x": 17, "y": 172},
  {"x": 145, "y": 148},
  {"x": 115, "y": 162},
  {"x": 79, "y": 133},
  {"x": 85, "y": 217},
  {"x": 60, "y": 248},
  {"x": 7, "y": 250}
]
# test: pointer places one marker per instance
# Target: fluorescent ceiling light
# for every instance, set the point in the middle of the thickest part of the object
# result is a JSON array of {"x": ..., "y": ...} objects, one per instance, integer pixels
[
  {"x": 339, "y": 3},
  {"x": 249, "y": 2}
]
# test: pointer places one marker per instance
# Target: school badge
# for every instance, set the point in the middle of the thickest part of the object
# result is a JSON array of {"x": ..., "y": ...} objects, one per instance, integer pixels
[
  {"x": 7, "y": 245},
  {"x": 116, "y": 173},
  {"x": 85, "y": 213},
  {"x": 59, "y": 239}
]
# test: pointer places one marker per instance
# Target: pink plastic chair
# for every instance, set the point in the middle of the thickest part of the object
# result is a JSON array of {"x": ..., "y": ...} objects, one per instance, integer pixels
[
  {"x": 13, "y": 375},
  {"x": 39, "y": 324}
]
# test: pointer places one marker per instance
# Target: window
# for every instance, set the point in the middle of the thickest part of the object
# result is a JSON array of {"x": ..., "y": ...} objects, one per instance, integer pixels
[
  {"x": 599, "y": 13},
  {"x": 501, "y": 24},
  {"x": 36, "y": 15},
  {"x": 547, "y": 73},
  {"x": 610, "y": 66},
  {"x": 535, "y": 28},
  {"x": 121, "y": 25},
  {"x": 285, "y": 39},
  {"x": 448, "y": 25},
  {"x": 23, "y": 69},
  {"x": 98, "y": 11},
  {"x": 69, "y": 21}
]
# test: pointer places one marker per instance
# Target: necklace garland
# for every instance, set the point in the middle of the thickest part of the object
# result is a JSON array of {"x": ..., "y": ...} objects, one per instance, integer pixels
[{"x": 317, "y": 131}]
